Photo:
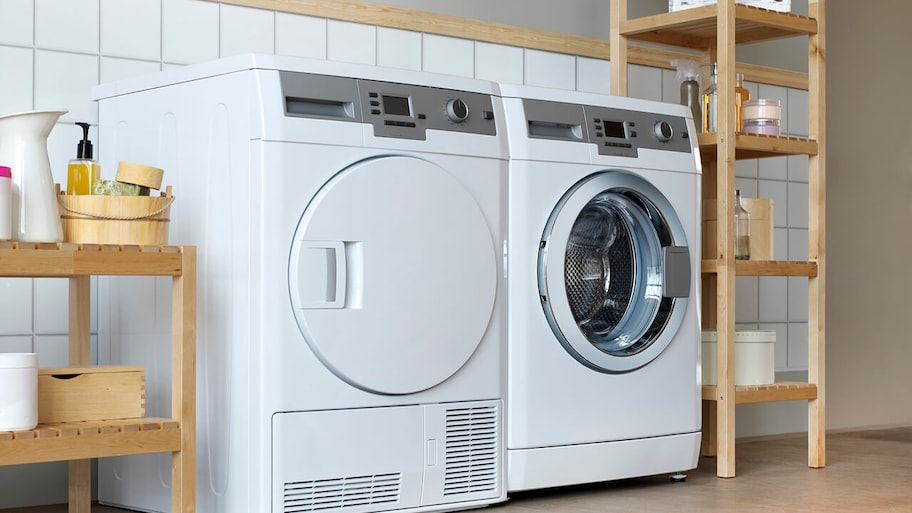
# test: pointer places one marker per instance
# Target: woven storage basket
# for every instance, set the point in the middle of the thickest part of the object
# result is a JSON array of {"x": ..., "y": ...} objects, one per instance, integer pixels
[{"x": 141, "y": 220}]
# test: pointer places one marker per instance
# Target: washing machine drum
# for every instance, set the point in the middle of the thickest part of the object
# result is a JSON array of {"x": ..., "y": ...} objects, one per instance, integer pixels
[{"x": 614, "y": 271}]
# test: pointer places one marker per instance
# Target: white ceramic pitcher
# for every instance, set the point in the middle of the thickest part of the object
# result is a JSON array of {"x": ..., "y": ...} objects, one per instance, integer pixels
[{"x": 23, "y": 147}]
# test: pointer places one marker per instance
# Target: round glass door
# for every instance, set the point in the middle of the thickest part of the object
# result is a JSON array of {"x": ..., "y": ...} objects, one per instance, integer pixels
[{"x": 614, "y": 272}]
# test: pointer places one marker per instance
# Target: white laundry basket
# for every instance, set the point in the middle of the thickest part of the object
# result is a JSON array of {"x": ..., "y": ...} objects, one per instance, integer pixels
[
  {"x": 755, "y": 357},
  {"x": 18, "y": 391}
]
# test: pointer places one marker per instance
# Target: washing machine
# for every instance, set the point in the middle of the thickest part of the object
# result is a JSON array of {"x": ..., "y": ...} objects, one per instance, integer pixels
[
  {"x": 350, "y": 225},
  {"x": 604, "y": 268}
]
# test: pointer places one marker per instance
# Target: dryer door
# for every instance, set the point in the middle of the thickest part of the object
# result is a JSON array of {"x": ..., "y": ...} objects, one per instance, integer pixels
[
  {"x": 393, "y": 275},
  {"x": 614, "y": 271}
]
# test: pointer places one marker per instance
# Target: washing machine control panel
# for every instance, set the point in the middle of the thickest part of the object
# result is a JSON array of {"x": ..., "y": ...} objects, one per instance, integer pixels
[
  {"x": 397, "y": 110},
  {"x": 616, "y": 132}
]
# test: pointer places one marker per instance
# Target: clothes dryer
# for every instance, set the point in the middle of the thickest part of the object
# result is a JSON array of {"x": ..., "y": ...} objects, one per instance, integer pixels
[
  {"x": 350, "y": 223},
  {"x": 604, "y": 268}
]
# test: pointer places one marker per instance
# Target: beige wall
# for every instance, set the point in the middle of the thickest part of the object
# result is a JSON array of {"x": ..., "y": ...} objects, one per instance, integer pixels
[{"x": 869, "y": 198}]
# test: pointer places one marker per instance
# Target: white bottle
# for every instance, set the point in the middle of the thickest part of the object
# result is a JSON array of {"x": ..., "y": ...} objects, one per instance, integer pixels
[{"x": 6, "y": 227}]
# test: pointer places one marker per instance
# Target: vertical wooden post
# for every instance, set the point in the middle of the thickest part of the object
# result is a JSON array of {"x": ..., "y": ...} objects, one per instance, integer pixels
[
  {"x": 817, "y": 236},
  {"x": 79, "y": 472},
  {"x": 618, "y": 48},
  {"x": 183, "y": 382}
]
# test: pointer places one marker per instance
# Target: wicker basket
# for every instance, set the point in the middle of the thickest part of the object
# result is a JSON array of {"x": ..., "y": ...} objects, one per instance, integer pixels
[{"x": 141, "y": 220}]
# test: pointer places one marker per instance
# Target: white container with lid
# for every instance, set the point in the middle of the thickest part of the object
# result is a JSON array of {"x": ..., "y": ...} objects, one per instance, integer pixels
[
  {"x": 18, "y": 391},
  {"x": 755, "y": 357},
  {"x": 762, "y": 108}
]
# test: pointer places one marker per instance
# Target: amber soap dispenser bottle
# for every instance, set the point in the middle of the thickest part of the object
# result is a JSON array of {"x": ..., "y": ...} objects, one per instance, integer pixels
[{"x": 84, "y": 169}]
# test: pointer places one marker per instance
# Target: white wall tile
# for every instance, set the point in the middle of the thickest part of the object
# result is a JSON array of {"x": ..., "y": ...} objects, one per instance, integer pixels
[
  {"x": 747, "y": 299},
  {"x": 301, "y": 36},
  {"x": 243, "y": 29},
  {"x": 51, "y": 305},
  {"x": 644, "y": 82},
  {"x": 17, "y": 85},
  {"x": 15, "y": 305},
  {"x": 548, "y": 69},
  {"x": 17, "y": 22},
  {"x": 780, "y": 243},
  {"x": 68, "y": 25},
  {"x": 351, "y": 42},
  {"x": 798, "y": 205},
  {"x": 190, "y": 31},
  {"x": 747, "y": 186},
  {"x": 671, "y": 88},
  {"x": 593, "y": 75},
  {"x": 773, "y": 299},
  {"x": 53, "y": 350},
  {"x": 747, "y": 168},
  {"x": 448, "y": 55},
  {"x": 798, "y": 299},
  {"x": 778, "y": 192},
  {"x": 797, "y": 112},
  {"x": 131, "y": 28},
  {"x": 16, "y": 344},
  {"x": 65, "y": 80},
  {"x": 773, "y": 168},
  {"x": 798, "y": 244},
  {"x": 398, "y": 48},
  {"x": 798, "y": 168},
  {"x": 113, "y": 68},
  {"x": 500, "y": 63},
  {"x": 798, "y": 346}
]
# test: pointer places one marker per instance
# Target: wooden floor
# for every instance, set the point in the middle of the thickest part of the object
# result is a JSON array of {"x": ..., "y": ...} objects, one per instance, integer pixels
[{"x": 869, "y": 472}]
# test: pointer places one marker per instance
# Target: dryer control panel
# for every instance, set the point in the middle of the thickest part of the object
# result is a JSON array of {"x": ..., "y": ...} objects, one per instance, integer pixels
[
  {"x": 616, "y": 132},
  {"x": 395, "y": 110}
]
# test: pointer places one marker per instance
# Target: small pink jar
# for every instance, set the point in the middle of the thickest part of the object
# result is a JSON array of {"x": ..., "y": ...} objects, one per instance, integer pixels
[{"x": 761, "y": 126}]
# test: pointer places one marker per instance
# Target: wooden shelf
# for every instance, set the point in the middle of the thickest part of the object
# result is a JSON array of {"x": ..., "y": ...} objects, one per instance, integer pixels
[
  {"x": 82, "y": 440},
  {"x": 79, "y": 442},
  {"x": 779, "y": 391},
  {"x": 711, "y": 34},
  {"x": 696, "y": 28},
  {"x": 765, "y": 268},
  {"x": 752, "y": 146}
]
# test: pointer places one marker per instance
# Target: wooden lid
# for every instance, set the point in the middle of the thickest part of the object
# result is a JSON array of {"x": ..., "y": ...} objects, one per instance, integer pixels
[{"x": 139, "y": 174}]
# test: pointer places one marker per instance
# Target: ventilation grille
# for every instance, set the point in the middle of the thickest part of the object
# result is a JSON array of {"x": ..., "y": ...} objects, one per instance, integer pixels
[
  {"x": 341, "y": 493},
  {"x": 471, "y": 450}
]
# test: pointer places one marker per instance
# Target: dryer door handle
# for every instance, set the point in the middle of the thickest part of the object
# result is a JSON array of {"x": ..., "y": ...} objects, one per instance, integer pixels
[
  {"x": 319, "y": 274},
  {"x": 676, "y": 279}
]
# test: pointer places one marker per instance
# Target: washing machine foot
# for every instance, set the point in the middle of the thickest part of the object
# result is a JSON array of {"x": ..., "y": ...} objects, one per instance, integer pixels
[{"x": 677, "y": 477}]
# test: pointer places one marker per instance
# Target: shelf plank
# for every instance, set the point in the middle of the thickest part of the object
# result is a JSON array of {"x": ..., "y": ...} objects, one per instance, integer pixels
[
  {"x": 765, "y": 268},
  {"x": 751, "y": 146},
  {"x": 696, "y": 28},
  {"x": 61, "y": 260},
  {"x": 779, "y": 391},
  {"x": 84, "y": 440}
]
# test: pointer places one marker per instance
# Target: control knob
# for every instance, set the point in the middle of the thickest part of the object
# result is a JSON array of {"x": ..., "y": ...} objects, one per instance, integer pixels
[
  {"x": 663, "y": 131},
  {"x": 456, "y": 110}
]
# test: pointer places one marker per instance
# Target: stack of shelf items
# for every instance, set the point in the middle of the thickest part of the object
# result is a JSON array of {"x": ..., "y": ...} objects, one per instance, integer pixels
[{"x": 715, "y": 31}]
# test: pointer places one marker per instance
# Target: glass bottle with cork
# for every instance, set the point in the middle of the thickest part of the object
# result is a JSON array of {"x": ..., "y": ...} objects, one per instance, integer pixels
[
  {"x": 742, "y": 229},
  {"x": 742, "y": 95}
]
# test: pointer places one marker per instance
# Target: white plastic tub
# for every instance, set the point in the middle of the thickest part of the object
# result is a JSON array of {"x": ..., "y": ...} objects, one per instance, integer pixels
[
  {"x": 18, "y": 391},
  {"x": 755, "y": 357}
]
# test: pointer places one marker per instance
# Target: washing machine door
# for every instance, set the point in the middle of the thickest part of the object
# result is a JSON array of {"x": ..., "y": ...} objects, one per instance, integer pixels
[
  {"x": 393, "y": 275},
  {"x": 614, "y": 271}
]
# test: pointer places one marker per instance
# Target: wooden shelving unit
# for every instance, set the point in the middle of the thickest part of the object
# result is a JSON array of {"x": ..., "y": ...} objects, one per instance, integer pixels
[
  {"x": 78, "y": 442},
  {"x": 713, "y": 32}
]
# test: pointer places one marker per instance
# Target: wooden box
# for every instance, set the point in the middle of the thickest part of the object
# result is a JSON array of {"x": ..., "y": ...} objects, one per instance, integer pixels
[
  {"x": 761, "y": 228},
  {"x": 68, "y": 394}
]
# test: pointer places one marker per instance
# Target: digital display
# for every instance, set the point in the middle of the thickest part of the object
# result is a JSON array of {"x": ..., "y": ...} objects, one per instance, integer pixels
[
  {"x": 397, "y": 105},
  {"x": 615, "y": 129}
]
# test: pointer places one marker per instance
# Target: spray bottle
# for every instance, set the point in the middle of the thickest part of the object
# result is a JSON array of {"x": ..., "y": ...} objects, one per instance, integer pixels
[
  {"x": 687, "y": 73},
  {"x": 83, "y": 170}
]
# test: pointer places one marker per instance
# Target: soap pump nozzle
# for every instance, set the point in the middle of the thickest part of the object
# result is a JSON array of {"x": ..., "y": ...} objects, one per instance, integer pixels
[{"x": 84, "y": 148}]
